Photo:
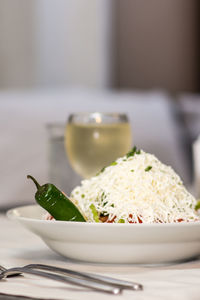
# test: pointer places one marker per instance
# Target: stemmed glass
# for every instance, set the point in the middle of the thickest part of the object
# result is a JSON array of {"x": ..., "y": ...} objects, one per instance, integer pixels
[{"x": 94, "y": 140}]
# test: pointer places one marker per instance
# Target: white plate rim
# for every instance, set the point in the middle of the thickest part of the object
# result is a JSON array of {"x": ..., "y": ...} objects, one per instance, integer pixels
[{"x": 11, "y": 215}]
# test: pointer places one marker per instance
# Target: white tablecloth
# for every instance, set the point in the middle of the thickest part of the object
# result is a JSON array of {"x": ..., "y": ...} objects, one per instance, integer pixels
[{"x": 19, "y": 247}]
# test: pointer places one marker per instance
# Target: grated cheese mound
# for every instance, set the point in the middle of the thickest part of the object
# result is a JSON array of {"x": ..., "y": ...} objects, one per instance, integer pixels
[{"x": 136, "y": 188}]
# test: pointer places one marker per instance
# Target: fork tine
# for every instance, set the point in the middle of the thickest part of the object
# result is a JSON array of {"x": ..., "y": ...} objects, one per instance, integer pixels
[{"x": 2, "y": 269}]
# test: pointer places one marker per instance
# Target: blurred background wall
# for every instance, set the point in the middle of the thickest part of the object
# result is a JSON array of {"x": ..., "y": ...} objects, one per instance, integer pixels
[
  {"x": 158, "y": 44},
  {"x": 17, "y": 44},
  {"x": 100, "y": 43},
  {"x": 54, "y": 43}
]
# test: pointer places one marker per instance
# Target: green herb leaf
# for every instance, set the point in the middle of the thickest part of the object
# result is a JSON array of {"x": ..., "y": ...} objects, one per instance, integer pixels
[
  {"x": 148, "y": 168},
  {"x": 95, "y": 213},
  {"x": 103, "y": 196},
  {"x": 121, "y": 221},
  {"x": 82, "y": 196},
  {"x": 114, "y": 163},
  {"x": 101, "y": 171},
  {"x": 197, "y": 206},
  {"x": 132, "y": 152},
  {"x": 132, "y": 170}
]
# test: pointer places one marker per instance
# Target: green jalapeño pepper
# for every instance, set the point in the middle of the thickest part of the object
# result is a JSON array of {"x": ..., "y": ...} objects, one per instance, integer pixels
[{"x": 56, "y": 203}]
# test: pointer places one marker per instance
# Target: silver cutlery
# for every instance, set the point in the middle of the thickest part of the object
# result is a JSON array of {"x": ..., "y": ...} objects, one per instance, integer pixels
[
  {"x": 90, "y": 280},
  {"x": 122, "y": 284},
  {"x": 65, "y": 279}
]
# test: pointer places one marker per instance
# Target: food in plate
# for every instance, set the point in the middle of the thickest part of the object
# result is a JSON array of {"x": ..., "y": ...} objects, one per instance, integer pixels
[
  {"x": 136, "y": 188},
  {"x": 58, "y": 205}
]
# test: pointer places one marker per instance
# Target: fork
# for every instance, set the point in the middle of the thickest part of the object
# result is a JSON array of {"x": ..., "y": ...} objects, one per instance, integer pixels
[
  {"x": 65, "y": 279},
  {"x": 89, "y": 277},
  {"x": 122, "y": 284}
]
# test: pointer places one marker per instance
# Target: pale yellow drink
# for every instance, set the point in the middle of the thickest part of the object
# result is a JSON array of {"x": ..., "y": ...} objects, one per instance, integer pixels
[{"x": 90, "y": 147}]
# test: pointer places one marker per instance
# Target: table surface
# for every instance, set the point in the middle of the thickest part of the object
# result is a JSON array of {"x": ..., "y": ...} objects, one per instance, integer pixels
[{"x": 20, "y": 247}]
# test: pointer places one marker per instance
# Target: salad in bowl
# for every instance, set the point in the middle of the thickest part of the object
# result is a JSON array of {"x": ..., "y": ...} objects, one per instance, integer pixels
[{"x": 136, "y": 188}]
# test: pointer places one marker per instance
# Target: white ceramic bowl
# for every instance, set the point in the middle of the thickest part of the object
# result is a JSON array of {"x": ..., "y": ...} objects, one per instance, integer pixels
[{"x": 113, "y": 243}]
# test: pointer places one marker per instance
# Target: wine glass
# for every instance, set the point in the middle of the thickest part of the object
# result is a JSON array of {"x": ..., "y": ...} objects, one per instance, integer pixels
[{"x": 94, "y": 140}]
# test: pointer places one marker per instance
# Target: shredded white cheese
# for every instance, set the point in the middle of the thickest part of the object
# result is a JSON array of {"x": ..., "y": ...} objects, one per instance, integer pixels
[{"x": 139, "y": 189}]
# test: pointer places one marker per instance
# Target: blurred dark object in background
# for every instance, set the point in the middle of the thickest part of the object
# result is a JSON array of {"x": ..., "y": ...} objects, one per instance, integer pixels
[
  {"x": 189, "y": 106},
  {"x": 158, "y": 44}
]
